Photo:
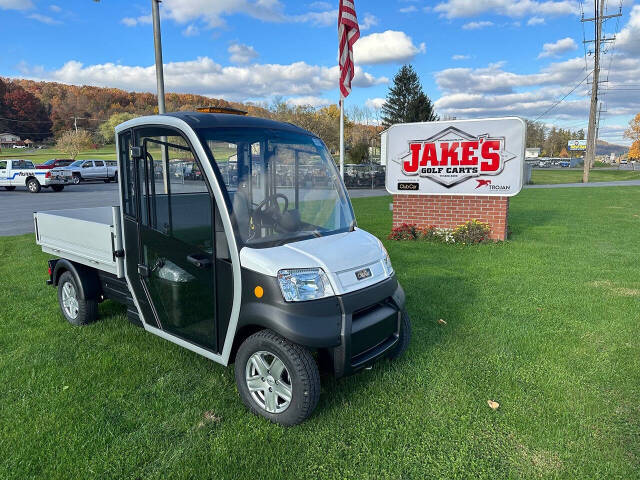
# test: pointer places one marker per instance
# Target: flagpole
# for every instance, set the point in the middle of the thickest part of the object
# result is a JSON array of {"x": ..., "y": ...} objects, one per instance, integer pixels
[{"x": 341, "y": 137}]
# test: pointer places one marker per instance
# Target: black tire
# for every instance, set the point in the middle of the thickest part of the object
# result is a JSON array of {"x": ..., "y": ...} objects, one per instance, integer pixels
[
  {"x": 57, "y": 188},
  {"x": 76, "y": 179},
  {"x": 301, "y": 371},
  {"x": 404, "y": 338},
  {"x": 115, "y": 178},
  {"x": 87, "y": 309},
  {"x": 107, "y": 180},
  {"x": 10, "y": 188},
  {"x": 33, "y": 185}
]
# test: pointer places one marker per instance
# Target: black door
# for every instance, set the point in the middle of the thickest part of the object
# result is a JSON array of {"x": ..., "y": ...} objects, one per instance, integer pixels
[{"x": 174, "y": 275}]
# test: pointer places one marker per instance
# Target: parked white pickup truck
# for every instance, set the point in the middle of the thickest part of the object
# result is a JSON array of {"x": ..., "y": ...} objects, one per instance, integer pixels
[
  {"x": 84, "y": 170},
  {"x": 22, "y": 173}
]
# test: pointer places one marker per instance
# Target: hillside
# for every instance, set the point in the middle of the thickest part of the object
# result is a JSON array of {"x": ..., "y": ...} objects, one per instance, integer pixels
[{"x": 606, "y": 148}]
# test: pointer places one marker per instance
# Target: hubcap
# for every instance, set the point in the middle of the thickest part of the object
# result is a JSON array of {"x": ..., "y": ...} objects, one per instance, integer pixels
[
  {"x": 268, "y": 381},
  {"x": 70, "y": 300},
  {"x": 32, "y": 186}
]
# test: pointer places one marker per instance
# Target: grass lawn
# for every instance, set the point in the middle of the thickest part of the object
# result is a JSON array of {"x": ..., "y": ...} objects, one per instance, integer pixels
[
  {"x": 107, "y": 152},
  {"x": 574, "y": 175},
  {"x": 546, "y": 324}
]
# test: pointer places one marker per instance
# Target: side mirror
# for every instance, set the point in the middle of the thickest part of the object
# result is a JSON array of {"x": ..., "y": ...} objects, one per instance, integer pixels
[{"x": 136, "y": 152}]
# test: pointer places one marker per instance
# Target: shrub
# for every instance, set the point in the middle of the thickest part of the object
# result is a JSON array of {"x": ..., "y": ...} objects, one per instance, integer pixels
[
  {"x": 405, "y": 232},
  {"x": 471, "y": 232}
]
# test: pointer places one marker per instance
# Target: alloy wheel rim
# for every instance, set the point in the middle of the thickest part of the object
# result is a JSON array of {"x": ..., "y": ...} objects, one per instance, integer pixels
[
  {"x": 269, "y": 382},
  {"x": 70, "y": 300}
]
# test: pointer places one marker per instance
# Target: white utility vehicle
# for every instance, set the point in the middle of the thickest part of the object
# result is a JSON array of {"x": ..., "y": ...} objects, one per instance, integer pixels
[
  {"x": 23, "y": 173},
  {"x": 234, "y": 238}
]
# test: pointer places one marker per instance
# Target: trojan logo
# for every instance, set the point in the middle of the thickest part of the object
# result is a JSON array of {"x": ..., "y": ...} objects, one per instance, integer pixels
[
  {"x": 483, "y": 183},
  {"x": 453, "y": 156}
]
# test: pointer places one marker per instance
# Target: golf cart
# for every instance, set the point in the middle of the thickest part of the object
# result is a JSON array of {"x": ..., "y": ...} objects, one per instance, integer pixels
[{"x": 261, "y": 267}]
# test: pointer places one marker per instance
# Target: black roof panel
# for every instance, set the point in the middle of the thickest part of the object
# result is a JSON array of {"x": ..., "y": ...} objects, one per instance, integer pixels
[{"x": 208, "y": 120}]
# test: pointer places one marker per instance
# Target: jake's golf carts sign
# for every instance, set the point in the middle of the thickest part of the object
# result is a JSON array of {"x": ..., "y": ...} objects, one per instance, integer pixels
[{"x": 465, "y": 157}]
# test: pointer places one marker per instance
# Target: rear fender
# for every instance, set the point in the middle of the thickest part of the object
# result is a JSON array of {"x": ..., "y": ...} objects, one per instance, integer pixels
[{"x": 86, "y": 278}]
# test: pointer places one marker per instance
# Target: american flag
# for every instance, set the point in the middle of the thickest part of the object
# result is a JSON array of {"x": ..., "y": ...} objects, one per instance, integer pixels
[{"x": 348, "y": 33}]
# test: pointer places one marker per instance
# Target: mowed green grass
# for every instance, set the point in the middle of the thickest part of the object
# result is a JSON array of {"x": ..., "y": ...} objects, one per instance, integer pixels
[
  {"x": 106, "y": 152},
  {"x": 574, "y": 175},
  {"x": 546, "y": 324}
]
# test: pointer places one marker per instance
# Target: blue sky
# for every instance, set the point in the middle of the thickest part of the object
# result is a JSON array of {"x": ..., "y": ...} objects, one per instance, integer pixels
[{"x": 475, "y": 58}]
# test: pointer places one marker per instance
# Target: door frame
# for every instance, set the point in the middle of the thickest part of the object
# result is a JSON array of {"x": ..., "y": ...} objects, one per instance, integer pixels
[{"x": 212, "y": 178}]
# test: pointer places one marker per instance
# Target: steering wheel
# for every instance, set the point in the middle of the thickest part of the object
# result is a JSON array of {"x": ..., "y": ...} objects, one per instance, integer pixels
[{"x": 270, "y": 209}]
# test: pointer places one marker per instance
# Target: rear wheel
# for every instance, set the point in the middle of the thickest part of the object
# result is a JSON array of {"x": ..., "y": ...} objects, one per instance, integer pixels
[
  {"x": 57, "y": 188},
  {"x": 277, "y": 379},
  {"x": 107, "y": 180},
  {"x": 404, "y": 337},
  {"x": 76, "y": 310},
  {"x": 76, "y": 179},
  {"x": 33, "y": 185},
  {"x": 10, "y": 189}
]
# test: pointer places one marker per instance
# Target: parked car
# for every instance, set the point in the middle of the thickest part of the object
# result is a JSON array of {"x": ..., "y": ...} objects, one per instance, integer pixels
[
  {"x": 16, "y": 173},
  {"x": 564, "y": 164},
  {"x": 55, "y": 162},
  {"x": 84, "y": 170},
  {"x": 543, "y": 164}
]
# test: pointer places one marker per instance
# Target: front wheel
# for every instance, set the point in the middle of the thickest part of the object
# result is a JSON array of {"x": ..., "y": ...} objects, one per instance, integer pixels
[
  {"x": 404, "y": 337},
  {"x": 33, "y": 185},
  {"x": 10, "y": 188},
  {"x": 57, "y": 188},
  {"x": 76, "y": 179},
  {"x": 277, "y": 379}
]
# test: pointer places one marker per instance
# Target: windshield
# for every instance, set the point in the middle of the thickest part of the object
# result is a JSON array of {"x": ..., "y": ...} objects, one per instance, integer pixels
[
  {"x": 49, "y": 162},
  {"x": 77, "y": 163},
  {"x": 280, "y": 186}
]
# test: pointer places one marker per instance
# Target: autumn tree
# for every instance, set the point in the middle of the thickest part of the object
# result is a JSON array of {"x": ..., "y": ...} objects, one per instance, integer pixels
[
  {"x": 633, "y": 134},
  {"x": 406, "y": 102},
  {"x": 73, "y": 143},
  {"x": 107, "y": 129},
  {"x": 22, "y": 113}
]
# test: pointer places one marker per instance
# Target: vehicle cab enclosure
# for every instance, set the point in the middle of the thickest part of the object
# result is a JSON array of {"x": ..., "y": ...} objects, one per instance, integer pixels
[{"x": 234, "y": 224}]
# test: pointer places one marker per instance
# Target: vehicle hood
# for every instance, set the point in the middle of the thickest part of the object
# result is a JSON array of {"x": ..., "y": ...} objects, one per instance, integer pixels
[{"x": 339, "y": 255}]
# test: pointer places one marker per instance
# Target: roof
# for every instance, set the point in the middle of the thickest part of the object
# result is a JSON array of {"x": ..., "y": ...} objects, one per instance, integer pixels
[{"x": 208, "y": 120}]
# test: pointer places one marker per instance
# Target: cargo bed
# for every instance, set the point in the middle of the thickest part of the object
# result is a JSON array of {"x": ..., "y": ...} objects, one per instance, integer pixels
[{"x": 90, "y": 236}]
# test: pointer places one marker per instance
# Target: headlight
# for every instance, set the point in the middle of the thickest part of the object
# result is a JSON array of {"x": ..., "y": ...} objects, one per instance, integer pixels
[
  {"x": 387, "y": 264},
  {"x": 300, "y": 284}
]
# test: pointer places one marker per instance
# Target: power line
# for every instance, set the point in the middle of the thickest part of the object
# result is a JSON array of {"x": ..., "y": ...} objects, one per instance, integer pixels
[{"x": 563, "y": 98}]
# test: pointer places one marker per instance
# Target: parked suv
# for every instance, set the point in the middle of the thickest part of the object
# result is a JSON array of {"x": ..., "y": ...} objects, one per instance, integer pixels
[
  {"x": 83, "y": 170},
  {"x": 55, "y": 162}
]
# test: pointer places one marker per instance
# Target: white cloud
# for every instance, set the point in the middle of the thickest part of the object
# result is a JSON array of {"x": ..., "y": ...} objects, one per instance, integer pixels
[
  {"x": 206, "y": 77},
  {"x": 320, "y": 6},
  {"x": 409, "y": 9},
  {"x": 375, "y": 103},
  {"x": 476, "y": 25},
  {"x": 386, "y": 47},
  {"x": 44, "y": 19},
  {"x": 191, "y": 31},
  {"x": 510, "y": 8},
  {"x": 629, "y": 37},
  {"x": 132, "y": 22},
  {"x": 367, "y": 22},
  {"x": 556, "y": 49},
  {"x": 55, "y": 8},
  {"x": 320, "y": 19},
  {"x": 309, "y": 100},
  {"x": 16, "y": 4},
  {"x": 460, "y": 57},
  {"x": 241, "y": 53},
  {"x": 535, "y": 21}
]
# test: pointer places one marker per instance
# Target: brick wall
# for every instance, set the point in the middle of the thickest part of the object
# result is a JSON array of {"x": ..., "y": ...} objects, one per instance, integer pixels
[{"x": 449, "y": 211}]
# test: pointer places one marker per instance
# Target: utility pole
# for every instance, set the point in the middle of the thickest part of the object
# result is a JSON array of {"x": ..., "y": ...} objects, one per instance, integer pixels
[
  {"x": 592, "y": 135},
  {"x": 157, "y": 43}
]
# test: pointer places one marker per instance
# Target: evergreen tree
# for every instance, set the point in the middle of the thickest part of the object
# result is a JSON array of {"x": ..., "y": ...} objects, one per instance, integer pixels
[{"x": 406, "y": 102}]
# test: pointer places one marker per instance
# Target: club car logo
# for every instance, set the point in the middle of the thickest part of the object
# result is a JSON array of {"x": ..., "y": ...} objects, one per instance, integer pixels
[{"x": 453, "y": 156}]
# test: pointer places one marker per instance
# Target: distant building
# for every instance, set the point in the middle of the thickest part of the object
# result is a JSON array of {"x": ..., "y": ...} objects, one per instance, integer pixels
[
  {"x": 8, "y": 140},
  {"x": 531, "y": 153}
]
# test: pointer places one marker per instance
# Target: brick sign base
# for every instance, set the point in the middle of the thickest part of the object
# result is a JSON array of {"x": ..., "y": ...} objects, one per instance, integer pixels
[{"x": 449, "y": 211}]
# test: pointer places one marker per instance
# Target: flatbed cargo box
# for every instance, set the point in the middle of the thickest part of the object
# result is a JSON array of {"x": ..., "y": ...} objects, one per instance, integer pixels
[{"x": 90, "y": 236}]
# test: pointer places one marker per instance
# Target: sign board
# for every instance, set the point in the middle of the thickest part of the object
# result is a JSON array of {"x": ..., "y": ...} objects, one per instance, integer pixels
[
  {"x": 577, "y": 145},
  {"x": 459, "y": 157}
]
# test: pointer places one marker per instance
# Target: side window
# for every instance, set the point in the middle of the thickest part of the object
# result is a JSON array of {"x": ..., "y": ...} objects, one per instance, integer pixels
[
  {"x": 226, "y": 157},
  {"x": 124, "y": 143},
  {"x": 87, "y": 165},
  {"x": 99, "y": 163},
  {"x": 176, "y": 193},
  {"x": 3, "y": 165}
]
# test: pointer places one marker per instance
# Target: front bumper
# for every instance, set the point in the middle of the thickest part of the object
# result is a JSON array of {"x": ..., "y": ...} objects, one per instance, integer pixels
[{"x": 355, "y": 328}]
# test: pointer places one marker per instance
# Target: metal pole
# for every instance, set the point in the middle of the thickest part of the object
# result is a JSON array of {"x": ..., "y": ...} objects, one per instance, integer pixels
[
  {"x": 341, "y": 137},
  {"x": 157, "y": 43}
]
